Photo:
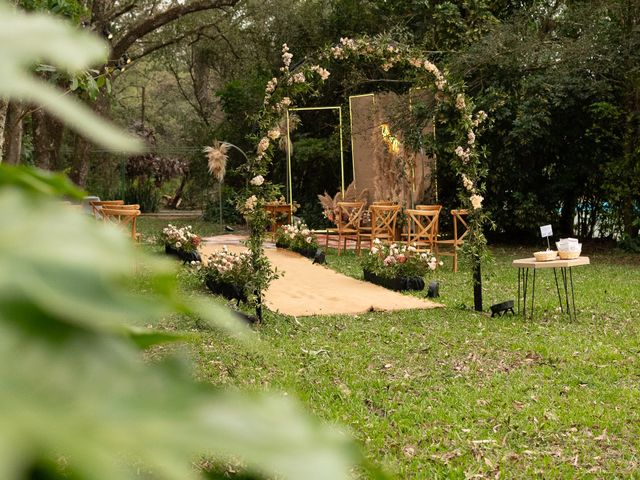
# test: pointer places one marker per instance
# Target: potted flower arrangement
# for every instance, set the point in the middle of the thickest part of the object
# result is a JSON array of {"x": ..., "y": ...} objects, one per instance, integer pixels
[
  {"x": 397, "y": 267},
  {"x": 228, "y": 274},
  {"x": 298, "y": 238},
  {"x": 181, "y": 242}
]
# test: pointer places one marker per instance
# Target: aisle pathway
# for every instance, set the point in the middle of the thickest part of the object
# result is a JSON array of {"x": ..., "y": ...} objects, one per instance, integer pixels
[{"x": 307, "y": 289}]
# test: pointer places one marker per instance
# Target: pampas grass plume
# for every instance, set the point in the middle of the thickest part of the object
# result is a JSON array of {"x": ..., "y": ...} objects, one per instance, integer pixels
[{"x": 217, "y": 159}]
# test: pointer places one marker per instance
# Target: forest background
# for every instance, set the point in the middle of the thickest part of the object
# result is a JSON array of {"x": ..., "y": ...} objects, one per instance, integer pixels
[{"x": 560, "y": 81}]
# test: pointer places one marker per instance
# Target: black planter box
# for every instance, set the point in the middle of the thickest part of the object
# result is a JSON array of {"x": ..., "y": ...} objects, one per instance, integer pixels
[
  {"x": 189, "y": 257},
  {"x": 227, "y": 290},
  {"x": 398, "y": 284},
  {"x": 184, "y": 256},
  {"x": 305, "y": 252}
]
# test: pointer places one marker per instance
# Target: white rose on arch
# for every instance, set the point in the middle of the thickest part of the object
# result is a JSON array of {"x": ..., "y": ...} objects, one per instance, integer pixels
[
  {"x": 257, "y": 180},
  {"x": 263, "y": 145},
  {"x": 476, "y": 201},
  {"x": 250, "y": 204},
  {"x": 274, "y": 133}
]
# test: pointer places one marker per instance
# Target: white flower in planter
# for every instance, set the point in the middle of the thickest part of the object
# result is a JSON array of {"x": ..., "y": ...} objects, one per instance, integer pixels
[{"x": 257, "y": 180}]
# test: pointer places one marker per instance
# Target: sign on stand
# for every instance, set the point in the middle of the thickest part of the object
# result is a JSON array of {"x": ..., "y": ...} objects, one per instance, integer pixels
[{"x": 546, "y": 231}]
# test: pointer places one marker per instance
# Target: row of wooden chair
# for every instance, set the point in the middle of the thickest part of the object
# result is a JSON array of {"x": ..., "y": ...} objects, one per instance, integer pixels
[
  {"x": 117, "y": 213},
  {"x": 422, "y": 227}
]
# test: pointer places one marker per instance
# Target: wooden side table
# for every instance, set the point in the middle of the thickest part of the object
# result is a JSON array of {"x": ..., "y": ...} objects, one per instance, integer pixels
[
  {"x": 523, "y": 265},
  {"x": 274, "y": 210}
]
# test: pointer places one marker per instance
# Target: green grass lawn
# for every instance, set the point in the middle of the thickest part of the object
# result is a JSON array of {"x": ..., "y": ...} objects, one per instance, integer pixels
[{"x": 451, "y": 393}]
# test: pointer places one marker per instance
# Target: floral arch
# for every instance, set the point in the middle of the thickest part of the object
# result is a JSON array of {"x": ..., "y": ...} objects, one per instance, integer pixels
[{"x": 452, "y": 111}]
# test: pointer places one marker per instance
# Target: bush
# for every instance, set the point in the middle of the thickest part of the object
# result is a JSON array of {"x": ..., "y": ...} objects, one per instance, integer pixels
[
  {"x": 143, "y": 193},
  {"x": 398, "y": 261},
  {"x": 629, "y": 244},
  {"x": 297, "y": 237},
  {"x": 230, "y": 214}
]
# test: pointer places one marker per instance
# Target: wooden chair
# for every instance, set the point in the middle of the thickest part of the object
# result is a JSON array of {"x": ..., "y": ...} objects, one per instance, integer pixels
[
  {"x": 429, "y": 207},
  {"x": 460, "y": 231},
  {"x": 383, "y": 224},
  {"x": 96, "y": 206},
  {"x": 422, "y": 228},
  {"x": 349, "y": 217},
  {"x": 124, "y": 216},
  {"x": 437, "y": 208}
]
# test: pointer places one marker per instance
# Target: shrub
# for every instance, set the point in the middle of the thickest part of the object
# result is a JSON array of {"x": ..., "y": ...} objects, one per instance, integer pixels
[
  {"x": 224, "y": 266},
  {"x": 296, "y": 237},
  {"x": 180, "y": 239},
  {"x": 396, "y": 261}
]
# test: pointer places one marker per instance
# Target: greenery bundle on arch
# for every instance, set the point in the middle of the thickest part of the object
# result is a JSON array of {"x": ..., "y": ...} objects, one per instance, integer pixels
[{"x": 453, "y": 113}]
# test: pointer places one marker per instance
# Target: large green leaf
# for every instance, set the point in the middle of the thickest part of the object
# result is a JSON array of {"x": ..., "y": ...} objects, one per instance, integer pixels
[
  {"x": 91, "y": 399},
  {"x": 74, "y": 386},
  {"x": 39, "y": 181},
  {"x": 80, "y": 271}
]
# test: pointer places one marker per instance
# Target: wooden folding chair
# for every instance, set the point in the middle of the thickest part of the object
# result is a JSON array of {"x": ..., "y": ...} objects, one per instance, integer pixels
[
  {"x": 460, "y": 231},
  {"x": 429, "y": 207},
  {"x": 124, "y": 216},
  {"x": 349, "y": 218},
  {"x": 383, "y": 224},
  {"x": 437, "y": 208},
  {"x": 96, "y": 206},
  {"x": 423, "y": 228}
]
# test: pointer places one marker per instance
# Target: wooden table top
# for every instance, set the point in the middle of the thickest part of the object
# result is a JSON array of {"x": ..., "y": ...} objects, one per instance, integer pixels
[{"x": 532, "y": 263}]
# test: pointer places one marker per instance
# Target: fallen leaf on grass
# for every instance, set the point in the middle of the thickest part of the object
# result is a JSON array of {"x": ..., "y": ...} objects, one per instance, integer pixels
[
  {"x": 409, "y": 451},
  {"x": 314, "y": 353},
  {"x": 603, "y": 436},
  {"x": 446, "y": 456}
]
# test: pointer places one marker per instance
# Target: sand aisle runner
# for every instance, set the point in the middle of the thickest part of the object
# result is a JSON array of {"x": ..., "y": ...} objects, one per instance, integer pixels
[{"x": 308, "y": 289}]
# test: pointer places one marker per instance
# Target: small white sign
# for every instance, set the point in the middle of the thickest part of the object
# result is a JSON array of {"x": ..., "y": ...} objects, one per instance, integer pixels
[{"x": 546, "y": 231}]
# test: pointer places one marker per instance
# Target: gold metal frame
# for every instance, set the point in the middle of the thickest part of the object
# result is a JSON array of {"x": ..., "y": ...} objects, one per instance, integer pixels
[{"x": 289, "y": 146}]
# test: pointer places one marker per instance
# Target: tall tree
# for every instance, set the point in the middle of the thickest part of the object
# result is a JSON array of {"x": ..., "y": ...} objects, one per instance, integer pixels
[{"x": 129, "y": 26}]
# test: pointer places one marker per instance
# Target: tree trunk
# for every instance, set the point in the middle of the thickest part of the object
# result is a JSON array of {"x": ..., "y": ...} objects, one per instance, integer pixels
[
  {"x": 82, "y": 148},
  {"x": 3, "y": 118},
  {"x": 13, "y": 133},
  {"x": 175, "y": 201},
  {"x": 568, "y": 215},
  {"x": 47, "y": 139},
  {"x": 477, "y": 284}
]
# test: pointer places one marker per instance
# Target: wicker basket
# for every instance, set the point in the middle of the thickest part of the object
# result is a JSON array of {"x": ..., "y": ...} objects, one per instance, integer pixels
[
  {"x": 566, "y": 255},
  {"x": 545, "y": 256}
]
